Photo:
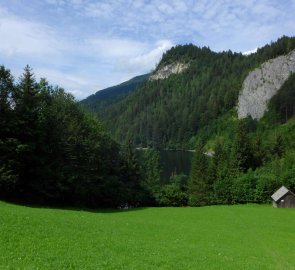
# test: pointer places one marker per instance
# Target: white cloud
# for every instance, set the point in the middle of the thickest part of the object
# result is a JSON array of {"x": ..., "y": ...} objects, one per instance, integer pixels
[
  {"x": 22, "y": 37},
  {"x": 77, "y": 84},
  {"x": 250, "y": 52},
  {"x": 128, "y": 55},
  {"x": 207, "y": 22},
  {"x": 146, "y": 61},
  {"x": 105, "y": 60},
  {"x": 56, "y": 2},
  {"x": 102, "y": 9},
  {"x": 115, "y": 47}
]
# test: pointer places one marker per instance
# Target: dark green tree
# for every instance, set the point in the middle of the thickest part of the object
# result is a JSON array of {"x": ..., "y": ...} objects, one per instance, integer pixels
[
  {"x": 131, "y": 173},
  {"x": 8, "y": 144},
  {"x": 241, "y": 156},
  {"x": 27, "y": 113},
  {"x": 278, "y": 148},
  {"x": 198, "y": 187},
  {"x": 151, "y": 181},
  {"x": 175, "y": 192},
  {"x": 7, "y": 91}
]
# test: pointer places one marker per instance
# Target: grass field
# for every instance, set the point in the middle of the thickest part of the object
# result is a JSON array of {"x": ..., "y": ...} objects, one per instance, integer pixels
[{"x": 216, "y": 237}]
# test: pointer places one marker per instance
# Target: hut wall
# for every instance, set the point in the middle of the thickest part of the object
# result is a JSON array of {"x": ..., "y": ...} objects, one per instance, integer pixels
[
  {"x": 287, "y": 201},
  {"x": 274, "y": 204}
]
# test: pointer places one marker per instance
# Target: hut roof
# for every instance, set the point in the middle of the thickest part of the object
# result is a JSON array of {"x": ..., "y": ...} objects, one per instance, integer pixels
[{"x": 281, "y": 192}]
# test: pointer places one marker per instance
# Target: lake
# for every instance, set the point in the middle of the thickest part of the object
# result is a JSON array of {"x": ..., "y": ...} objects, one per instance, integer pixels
[{"x": 174, "y": 162}]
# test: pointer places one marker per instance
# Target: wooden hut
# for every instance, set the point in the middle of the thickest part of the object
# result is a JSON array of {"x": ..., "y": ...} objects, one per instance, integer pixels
[{"x": 283, "y": 198}]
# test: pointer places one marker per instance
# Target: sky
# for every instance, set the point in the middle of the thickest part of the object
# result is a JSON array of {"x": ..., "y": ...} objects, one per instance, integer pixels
[{"x": 86, "y": 45}]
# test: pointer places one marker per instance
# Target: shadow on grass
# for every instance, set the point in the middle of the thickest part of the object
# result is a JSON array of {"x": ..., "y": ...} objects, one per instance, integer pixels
[{"x": 75, "y": 208}]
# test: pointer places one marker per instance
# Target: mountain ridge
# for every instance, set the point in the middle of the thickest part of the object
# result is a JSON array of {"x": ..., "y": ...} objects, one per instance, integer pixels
[
  {"x": 169, "y": 113},
  {"x": 104, "y": 97}
]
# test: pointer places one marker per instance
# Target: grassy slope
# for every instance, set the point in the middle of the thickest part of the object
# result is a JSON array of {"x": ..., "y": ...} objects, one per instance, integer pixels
[{"x": 216, "y": 237}]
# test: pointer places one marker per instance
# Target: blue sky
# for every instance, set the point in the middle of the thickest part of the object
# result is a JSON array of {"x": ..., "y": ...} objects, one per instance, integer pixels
[{"x": 87, "y": 45}]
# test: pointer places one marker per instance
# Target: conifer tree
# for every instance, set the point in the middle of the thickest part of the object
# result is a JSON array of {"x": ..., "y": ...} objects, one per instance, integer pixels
[
  {"x": 279, "y": 146},
  {"x": 241, "y": 157},
  {"x": 27, "y": 105},
  {"x": 131, "y": 176},
  {"x": 198, "y": 187},
  {"x": 8, "y": 144},
  {"x": 6, "y": 100},
  {"x": 152, "y": 174},
  {"x": 26, "y": 110}
]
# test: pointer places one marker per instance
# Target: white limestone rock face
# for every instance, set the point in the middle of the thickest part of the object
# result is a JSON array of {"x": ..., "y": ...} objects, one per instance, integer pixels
[
  {"x": 262, "y": 84},
  {"x": 166, "y": 71}
]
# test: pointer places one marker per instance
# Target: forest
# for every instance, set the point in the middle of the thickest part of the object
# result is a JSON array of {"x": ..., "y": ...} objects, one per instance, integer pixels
[
  {"x": 53, "y": 151},
  {"x": 169, "y": 113}
]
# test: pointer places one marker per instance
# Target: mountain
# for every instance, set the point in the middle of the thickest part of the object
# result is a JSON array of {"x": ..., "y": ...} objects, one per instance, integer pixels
[
  {"x": 189, "y": 90},
  {"x": 106, "y": 97},
  {"x": 239, "y": 108}
]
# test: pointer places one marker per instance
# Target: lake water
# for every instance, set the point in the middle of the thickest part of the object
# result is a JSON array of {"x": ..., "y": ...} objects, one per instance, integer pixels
[
  {"x": 178, "y": 162},
  {"x": 174, "y": 162}
]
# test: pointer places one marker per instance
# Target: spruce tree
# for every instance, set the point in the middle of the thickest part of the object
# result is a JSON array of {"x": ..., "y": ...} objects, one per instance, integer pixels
[
  {"x": 241, "y": 157},
  {"x": 8, "y": 144},
  {"x": 279, "y": 146},
  {"x": 6, "y": 102},
  {"x": 152, "y": 174},
  {"x": 131, "y": 176},
  {"x": 198, "y": 187},
  {"x": 27, "y": 130}
]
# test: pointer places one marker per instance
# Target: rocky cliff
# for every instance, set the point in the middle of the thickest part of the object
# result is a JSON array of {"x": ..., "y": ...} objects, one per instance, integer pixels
[
  {"x": 262, "y": 84},
  {"x": 167, "y": 70}
]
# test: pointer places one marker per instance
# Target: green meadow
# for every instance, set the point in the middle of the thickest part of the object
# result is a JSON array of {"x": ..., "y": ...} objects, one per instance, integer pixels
[{"x": 214, "y": 237}]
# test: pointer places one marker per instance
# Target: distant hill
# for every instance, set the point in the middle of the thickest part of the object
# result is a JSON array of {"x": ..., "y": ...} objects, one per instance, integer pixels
[{"x": 106, "y": 97}]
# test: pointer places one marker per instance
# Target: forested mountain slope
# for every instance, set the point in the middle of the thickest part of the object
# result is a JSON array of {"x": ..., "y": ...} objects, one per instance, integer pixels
[
  {"x": 169, "y": 112},
  {"x": 191, "y": 102},
  {"x": 106, "y": 97}
]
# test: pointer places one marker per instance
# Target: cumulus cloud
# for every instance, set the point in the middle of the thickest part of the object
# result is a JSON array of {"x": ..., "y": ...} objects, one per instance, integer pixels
[
  {"x": 146, "y": 61},
  {"x": 128, "y": 55}
]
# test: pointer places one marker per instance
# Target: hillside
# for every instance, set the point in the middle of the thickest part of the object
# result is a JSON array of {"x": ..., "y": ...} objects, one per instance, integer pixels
[
  {"x": 238, "y": 107},
  {"x": 106, "y": 97},
  {"x": 216, "y": 237},
  {"x": 170, "y": 111}
]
